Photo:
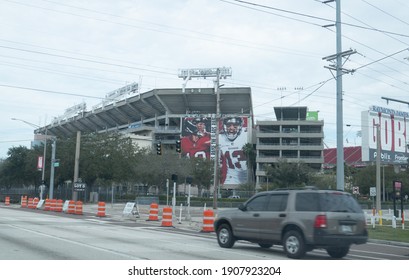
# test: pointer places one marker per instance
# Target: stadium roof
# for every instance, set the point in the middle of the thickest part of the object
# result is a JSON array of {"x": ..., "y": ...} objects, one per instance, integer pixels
[
  {"x": 352, "y": 157},
  {"x": 152, "y": 108}
]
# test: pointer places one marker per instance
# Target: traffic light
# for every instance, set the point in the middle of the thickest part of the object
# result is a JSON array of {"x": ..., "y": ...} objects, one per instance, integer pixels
[
  {"x": 159, "y": 148},
  {"x": 178, "y": 147}
]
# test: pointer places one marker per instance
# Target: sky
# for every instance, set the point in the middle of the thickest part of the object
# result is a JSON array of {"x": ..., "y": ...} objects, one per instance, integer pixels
[{"x": 58, "y": 54}]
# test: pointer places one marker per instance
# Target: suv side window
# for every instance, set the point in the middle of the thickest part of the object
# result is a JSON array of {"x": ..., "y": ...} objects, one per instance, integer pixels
[
  {"x": 277, "y": 202},
  {"x": 307, "y": 202},
  {"x": 257, "y": 204}
]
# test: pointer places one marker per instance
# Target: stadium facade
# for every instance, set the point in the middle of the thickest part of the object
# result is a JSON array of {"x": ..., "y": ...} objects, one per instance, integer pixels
[{"x": 166, "y": 116}]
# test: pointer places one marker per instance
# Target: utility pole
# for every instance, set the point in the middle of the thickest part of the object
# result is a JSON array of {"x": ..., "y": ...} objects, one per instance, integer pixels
[
  {"x": 76, "y": 165},
  {"x": 219, "y": 73},
  {"x": 338, "y": 57},
  {"x": 216, "y": 157},
  {"x": 53, "y": 148},
  {"x": 378, "y": 167}
]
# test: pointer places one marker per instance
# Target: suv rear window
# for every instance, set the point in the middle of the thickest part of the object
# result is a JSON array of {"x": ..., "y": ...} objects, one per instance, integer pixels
[{"x": 326, "y": 202}]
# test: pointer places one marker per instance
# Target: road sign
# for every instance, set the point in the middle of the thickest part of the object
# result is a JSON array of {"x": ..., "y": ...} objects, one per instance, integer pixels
[
  {"x": 79, "y": 187},
  {"x": 372, "y": 191}
]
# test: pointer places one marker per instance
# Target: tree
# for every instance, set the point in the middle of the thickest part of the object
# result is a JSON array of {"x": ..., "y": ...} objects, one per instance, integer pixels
[
  {"x": 286, "y": 175},
  {"x": 20, "y": 167},
  {"x": 202, "y": 172},
  {"x": 251, "y": 155}
]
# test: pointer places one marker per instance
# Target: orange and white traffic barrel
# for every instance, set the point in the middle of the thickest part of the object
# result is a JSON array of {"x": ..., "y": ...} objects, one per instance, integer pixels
[
  {"x": 30, "y": 203},
  {"x": 71, "y": 207},
  {"x": 78, "y": 208},
  {"x": 208, "y": 220},
  {"x": 47, "y": 205},
  {"x": 35, "y": 202},
  {"x": 58, "y": 205},
  {"x": 7, "y": 201},
  {"x": 23, "y": 201},
  {"x": 101, "y": 209},
  {"x": 167, "y": 217},
  {"x": 53, "y": 204},
  {"x": 153, "y": 212}
]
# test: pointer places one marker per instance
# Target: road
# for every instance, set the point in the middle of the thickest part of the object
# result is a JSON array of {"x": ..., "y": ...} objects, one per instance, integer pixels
[{"x": 39, "y": 235}]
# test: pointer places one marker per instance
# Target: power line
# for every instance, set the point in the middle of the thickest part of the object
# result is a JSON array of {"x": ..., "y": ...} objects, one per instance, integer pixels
[
  {"x": 51, "y": 91},
  {"x": 86, "y": 60},
  {"x": 311, "y": 17}
]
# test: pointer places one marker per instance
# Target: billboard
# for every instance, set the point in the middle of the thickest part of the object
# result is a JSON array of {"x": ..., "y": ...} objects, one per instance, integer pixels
[
  {"x": 393, "y": 127},
  {"x": 198, "y": 139},
  {"x": 233, "y": 136}
]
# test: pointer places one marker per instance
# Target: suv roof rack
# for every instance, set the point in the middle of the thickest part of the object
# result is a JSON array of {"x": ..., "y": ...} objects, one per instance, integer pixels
[{"x": 295, "y": 188}]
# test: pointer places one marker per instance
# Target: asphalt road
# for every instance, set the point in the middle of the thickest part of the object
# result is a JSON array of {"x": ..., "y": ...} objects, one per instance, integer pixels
[{"x": 31, "y": 234}]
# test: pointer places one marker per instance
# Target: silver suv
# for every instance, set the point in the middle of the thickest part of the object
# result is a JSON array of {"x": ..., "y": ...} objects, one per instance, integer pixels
[{"x": 300, "y": 220}]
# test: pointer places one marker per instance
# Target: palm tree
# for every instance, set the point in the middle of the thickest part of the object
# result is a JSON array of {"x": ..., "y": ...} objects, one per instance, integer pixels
[{"x": 250, "y": 153}]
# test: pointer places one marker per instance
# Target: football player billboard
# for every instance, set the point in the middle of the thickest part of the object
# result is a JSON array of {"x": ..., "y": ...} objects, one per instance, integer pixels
[
  {"x": 233, "y": 136},
  {"x": 196, "y": 139}
]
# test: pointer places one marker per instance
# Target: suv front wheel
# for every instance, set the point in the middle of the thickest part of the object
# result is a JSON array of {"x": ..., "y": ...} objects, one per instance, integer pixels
[
  {"x": 294, "y": 245},
  {"x": 225, "y": 236}
]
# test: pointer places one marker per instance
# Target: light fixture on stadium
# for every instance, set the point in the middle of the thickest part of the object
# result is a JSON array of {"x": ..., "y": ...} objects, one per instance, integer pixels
[{"x": 223, "y": 72}]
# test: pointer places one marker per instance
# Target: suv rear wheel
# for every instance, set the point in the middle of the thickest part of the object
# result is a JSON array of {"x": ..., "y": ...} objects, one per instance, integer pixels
[
  {"x": 225, "y": 236},
  {"x": 338, "y": 252},
  {"x": 294, "y": 245}
]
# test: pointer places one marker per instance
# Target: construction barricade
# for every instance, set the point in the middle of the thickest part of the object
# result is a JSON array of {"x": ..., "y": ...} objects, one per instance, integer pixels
[
  {"x": 101, "y": 209},
  {"x": 71, "y": 207},
  {"x": 47, "y": 205},
  {"x": 23, "y": 201},
  {"x": 78, "y": 208},
  {"x": 208, "y": 220},
  {"x": 30, "y": 203},
  {"x": 153, "y": 212},
  {"x": 58, "y": 205},
  {"x": 53, "y": 204},
  {"x": 167, "y": 217},
  {"x": 7, "y": 201},
  {"x": 35, "y": 202}
]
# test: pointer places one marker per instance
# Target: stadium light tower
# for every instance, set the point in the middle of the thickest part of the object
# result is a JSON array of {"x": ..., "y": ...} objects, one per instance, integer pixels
[{"x": 218, "y": 73}]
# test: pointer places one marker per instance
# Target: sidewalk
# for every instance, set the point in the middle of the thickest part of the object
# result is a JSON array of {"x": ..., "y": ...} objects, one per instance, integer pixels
[{"x": 180, "y": 217}]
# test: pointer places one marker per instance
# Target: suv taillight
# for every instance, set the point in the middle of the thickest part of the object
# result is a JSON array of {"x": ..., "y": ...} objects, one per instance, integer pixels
[{"x": 320, "y": 221}]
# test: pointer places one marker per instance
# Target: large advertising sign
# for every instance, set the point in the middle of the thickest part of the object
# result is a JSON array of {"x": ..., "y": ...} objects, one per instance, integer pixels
[
  {"x": 233, "y": 136},
  {"x": 198, "y": 139},
  {"x": 393, "y": 126}
]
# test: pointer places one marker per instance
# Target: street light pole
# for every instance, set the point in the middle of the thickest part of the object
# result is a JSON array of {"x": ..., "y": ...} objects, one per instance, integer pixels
[
  {"x": 44, "y": 142},
  {"x": 53, "y": 145},
  {"x": 45, "y": 135},
  {"x": 44, "y": 155}
]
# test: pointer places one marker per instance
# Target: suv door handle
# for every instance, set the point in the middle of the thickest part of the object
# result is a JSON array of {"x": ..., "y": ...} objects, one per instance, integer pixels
[
  {"x": 256, "y": 215},
  {"x": 282, "y": 215}
]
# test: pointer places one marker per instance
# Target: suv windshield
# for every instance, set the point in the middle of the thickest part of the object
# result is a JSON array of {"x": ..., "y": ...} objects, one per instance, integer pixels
[{"x": 326, "y": 202}]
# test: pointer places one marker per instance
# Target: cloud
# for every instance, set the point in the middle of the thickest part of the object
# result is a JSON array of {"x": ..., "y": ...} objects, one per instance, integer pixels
[{"x": 91, "y": 48}]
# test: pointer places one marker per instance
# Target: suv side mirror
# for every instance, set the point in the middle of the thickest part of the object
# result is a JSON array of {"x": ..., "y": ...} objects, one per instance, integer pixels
[{"x": 242, "y": 207}]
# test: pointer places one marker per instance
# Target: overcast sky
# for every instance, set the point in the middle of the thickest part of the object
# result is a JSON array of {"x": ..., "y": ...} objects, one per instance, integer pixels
[{"x": 57, "y": 54}]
